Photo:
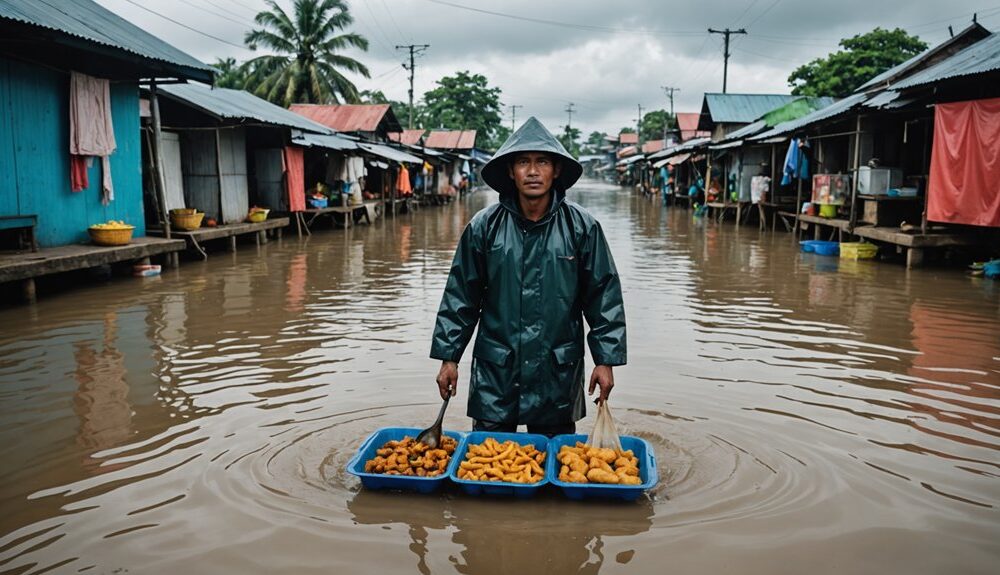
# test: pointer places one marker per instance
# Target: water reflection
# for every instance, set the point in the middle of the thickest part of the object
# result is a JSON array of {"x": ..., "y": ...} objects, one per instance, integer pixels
[
  {"x": 790, "y": 398},
  {"x": 543, "y": 535}
]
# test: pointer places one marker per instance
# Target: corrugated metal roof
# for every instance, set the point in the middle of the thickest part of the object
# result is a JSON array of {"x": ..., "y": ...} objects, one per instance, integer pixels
[
  {"x": 740, "y": 108},
  {"x": 628, "y": 138},
  {"x": 390, "y": 153},
  {"x": 626, "y": 151},
  {"x": 230, "y": 104},
  {"x": 630, "y": 160},
  {"x": 349, "y": 117},
  {"x": 687, "y": 121},
  {"x": 972, "y": 33},
  {"x": 330, "y": 142},
  {"x": 983, "y": 56},
  {"x": 685, "y": 147},
  {"x": 451, "y": 139},
  {"x": 407, "y": 137},
  {"x": 840, "y": 107},
  {"x": 90, "y": 21}
]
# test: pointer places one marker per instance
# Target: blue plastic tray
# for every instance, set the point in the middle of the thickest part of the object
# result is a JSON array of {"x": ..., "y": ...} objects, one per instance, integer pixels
[
  {"x": 356, "y": 466},
  {"x": 640, "y": 447},
  {"x": 826, "y": 248},
  {"x": 808, "y": 246},
  {"x": 500, "y": 487}
]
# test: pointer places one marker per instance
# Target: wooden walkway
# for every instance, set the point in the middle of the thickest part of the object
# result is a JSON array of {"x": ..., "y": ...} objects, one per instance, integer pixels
[
  {"x": 26, "y": 266},
  {"x": 305, "y": 219},
  {"x": 195, "y": 238}
]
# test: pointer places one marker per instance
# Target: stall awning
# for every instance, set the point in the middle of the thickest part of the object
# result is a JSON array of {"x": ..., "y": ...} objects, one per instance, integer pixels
[
  {"x": 390, "y": 153},
  {"x": 673, "y": 160},
  {"x": 329, "y": 142}
]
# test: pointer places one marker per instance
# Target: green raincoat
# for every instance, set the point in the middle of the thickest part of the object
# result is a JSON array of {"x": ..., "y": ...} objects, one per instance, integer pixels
[{"x": 529, "y": 285}]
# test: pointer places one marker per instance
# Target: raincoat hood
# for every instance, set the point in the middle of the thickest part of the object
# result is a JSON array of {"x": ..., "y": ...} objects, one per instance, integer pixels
[{"x": 532, "y": 136}]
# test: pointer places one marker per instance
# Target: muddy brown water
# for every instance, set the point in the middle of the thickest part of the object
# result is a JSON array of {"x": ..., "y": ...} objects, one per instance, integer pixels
[{"x": 807, "y": 413}]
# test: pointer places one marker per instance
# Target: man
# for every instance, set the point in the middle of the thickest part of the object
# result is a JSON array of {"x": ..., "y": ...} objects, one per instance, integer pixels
[{"x": 528, "y": 270}]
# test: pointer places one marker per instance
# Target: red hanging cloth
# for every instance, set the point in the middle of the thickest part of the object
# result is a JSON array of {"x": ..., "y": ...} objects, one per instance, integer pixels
[
  {"x": 295, "y": 178},
  {"x": 964, "y": 186},
  {"x": 79, "y": 179}
]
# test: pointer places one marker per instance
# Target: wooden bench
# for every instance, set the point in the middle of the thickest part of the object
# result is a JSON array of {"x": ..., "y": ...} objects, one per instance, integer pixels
[{"x": 27, "y": 226}]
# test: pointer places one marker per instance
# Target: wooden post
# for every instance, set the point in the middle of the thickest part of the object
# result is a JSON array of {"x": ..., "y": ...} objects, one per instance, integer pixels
[
  {"x": 923, "y": 216},
  {"x": 739, "y": 189},
  {"x": 232, "y": 243},
  {"x": 218, "y": 171},
  {"x": 857, "y": 172},
  {"x": 798, "y": 193},
  {"x": 154, "y": 109},
  {"x": 28, "y": 290}
]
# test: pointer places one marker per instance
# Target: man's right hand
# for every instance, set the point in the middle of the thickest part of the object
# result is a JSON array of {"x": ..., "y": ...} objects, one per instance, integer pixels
[{"x": 447, "y": 379}]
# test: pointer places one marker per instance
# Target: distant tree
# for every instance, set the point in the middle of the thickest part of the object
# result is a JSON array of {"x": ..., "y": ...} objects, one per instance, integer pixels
[
  {"x": 594, "y": 143},
  {"x": 626, "y": 130},
  {"x": 652, "y": 124},
  {"x": 465, "y": 101},
  {"x": 401, "y": 109},
  {"x": 231, "y": 74},
  {"x": 569, "y": 139},
  {"x": 308, "y": 63},
  {"x": 863, "y": 57}
]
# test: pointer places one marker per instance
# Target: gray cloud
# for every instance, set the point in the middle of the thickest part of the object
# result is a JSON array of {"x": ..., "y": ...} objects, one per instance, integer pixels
[{"x": 607, "y": 58}]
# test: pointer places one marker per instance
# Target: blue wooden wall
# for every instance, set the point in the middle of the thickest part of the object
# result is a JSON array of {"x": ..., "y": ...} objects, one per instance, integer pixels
[{"x": 34, "y": 156}]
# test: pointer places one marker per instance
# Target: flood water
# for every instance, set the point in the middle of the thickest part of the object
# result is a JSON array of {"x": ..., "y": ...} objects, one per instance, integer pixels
[{"x": 807, "y": 413}]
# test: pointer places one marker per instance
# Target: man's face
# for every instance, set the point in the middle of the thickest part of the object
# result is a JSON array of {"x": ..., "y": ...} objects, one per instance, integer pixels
[{"x": 533, "y": 173}]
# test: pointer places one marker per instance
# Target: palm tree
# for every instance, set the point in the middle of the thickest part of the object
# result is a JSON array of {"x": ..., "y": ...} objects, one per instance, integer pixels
[
  {"x": 307, "y": 62},
  {"x": 231, "y": 73}
]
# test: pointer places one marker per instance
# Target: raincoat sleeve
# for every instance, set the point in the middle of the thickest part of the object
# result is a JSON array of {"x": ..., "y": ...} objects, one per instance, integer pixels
[
  {"x": 462, "y": 299},
  {"x": 602, "y": 301}
]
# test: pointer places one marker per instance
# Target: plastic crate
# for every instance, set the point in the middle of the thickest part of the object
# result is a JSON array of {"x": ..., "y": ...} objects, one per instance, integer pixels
[
  {"x": 647, "y": 470},
  {"x": 504, "y": 488},
  {"x": 826, "y": 248},
  {"x": 356, "y": 466},
  {"x": 858, "y": 250}
]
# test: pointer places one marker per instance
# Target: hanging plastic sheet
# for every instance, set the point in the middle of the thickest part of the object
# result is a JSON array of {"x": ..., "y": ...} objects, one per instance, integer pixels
[
  {"x": 964, "y": 185},
  {"x": 295, "y": 178}
]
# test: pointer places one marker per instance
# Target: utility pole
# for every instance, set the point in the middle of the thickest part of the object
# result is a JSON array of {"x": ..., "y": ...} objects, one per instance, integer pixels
[
  {"x": 513, "y": 116},
  {"x": 725, "y": 52},
  {"x": 638, "y": 127},
  {"x": 569, "y": 119},
  {"x": 414, "y": 50},
  {"x": 669, "y": 91}
]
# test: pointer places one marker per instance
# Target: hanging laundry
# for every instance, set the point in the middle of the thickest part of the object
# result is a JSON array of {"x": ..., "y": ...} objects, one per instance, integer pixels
[
  {"x": 465, "y": 167},
  {"x": 403, "y": 182},
  {"x": 793, "y": 162},
  {"x": 79, "y": 179},
  {"x": 90, "y": 129},
  {"x": 456, "y": 174}
]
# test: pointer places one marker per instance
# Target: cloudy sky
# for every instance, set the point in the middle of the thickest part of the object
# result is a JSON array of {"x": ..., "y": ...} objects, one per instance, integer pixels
[{"x": 605, "y": 57}]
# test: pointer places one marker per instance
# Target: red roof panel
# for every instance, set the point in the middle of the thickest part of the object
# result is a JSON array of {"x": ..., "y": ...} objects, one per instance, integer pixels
[
  {"x": 407, "y": 137},
  {"x": 628, "y": 138},
  {"x": 451, "y": 139},
  {"x": 345, "y": 117}
]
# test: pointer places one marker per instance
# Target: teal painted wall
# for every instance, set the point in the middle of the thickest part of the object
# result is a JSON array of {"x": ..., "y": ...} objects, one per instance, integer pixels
[{"x": 34, "y": 156}]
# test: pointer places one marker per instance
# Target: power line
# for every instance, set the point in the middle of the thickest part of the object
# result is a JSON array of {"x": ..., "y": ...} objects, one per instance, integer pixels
[
  {"x": 569, "y": 116},
  {"x": 669, "y": 91},
  {"x": 216, "y": 14},
  {"x": 185, "y": 26},
  {"x": 414, "y": 49},
  {"x": 585, "y": 27},
  {"x": 725, "y": 52}
]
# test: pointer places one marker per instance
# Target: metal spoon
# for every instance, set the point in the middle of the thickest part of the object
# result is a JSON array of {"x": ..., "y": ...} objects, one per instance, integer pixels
[{"x": 431, "y": 436}]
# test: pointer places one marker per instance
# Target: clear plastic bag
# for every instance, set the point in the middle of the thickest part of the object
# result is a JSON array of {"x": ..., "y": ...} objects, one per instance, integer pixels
[{"x": 605, "y": 434}]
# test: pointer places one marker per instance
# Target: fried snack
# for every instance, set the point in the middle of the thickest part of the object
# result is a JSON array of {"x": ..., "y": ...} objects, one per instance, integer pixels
[
  {"x": 585, "y": 464},
  {"x": 507, "y": 461},
  {"x": 410, "y": 457}
]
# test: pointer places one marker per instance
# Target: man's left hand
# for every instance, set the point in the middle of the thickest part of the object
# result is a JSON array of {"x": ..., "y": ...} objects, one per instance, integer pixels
[{"x": 604, "y": 377}]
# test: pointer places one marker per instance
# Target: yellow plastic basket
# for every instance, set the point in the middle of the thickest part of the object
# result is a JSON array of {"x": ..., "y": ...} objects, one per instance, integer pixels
[
  {"x": 186, "y": 221},
  {"x": 258, "y": 217},
  {"x": 111, "y": 237},
  {"x": 858, "y": 250}
]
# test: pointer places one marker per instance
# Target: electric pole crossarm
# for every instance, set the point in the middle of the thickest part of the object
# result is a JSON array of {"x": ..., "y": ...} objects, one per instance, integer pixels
[
  {"x": 414, "y": 50},
  {"x": 725, "y": 51}
]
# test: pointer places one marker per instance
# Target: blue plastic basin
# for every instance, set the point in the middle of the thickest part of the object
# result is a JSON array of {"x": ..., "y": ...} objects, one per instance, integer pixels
[
  {"x": 640, "y": 447},
  {"x": 504, "y": 488},
  {"x": 826, "y": 248},
  {"x": 356, "y": 466}
]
